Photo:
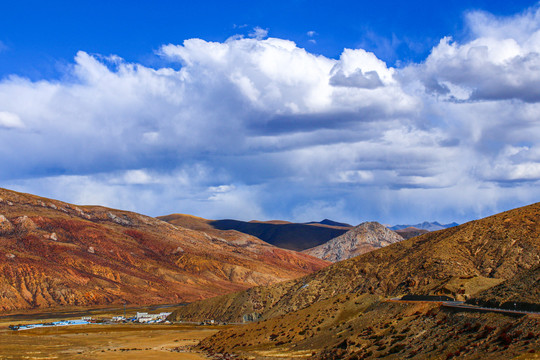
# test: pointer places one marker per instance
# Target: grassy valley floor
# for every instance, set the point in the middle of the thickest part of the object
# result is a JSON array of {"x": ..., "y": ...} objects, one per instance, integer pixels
[{"x": 122, "y": 341}]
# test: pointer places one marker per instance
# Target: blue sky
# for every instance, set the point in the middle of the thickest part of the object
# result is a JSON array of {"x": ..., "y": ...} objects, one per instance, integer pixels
[
  {"x": 391, "y": 111},
  {"x": 39, "y": 37}
]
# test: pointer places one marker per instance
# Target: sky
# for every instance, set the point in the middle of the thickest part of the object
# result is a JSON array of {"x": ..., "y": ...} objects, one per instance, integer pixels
[{"x": 393, "y": 111}]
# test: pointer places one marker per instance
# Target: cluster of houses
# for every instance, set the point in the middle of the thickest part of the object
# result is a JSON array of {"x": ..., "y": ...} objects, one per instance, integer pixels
[
  {"x": 141, "y": 317},
  {"x": 49, "y": 324}
]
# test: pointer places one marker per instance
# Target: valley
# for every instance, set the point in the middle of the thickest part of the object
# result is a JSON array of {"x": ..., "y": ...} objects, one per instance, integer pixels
[
  {"x": 105, "y": 342},
  {"x": 341, "y": 299}
]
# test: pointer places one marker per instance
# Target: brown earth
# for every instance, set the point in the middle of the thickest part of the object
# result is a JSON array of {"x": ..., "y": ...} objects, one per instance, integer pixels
[
  {"x": 459, "y": 261},
  {"x": 55, "y": 254},
  {"x": 359, "y": 240}
]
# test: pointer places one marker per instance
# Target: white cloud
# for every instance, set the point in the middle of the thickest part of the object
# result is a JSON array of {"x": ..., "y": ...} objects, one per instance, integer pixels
[
  {"x": 221, "y": 188},
  {"x": 355, "y": 176},
  {"x": 10, "y": 120},
  {"x": 259, "y": 33},
  {"x": 500, "y": 62},
  {"x": 140, "y": 177},
  {"x": 300, "y": 135}
]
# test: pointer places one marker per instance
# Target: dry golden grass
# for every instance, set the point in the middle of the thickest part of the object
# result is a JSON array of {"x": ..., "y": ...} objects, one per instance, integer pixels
[
  {"x": 125, "y": 341},
  {"x": 352, "y": 327}
]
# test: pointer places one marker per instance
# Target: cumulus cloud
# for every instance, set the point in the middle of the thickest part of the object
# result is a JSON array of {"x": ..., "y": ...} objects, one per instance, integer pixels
[
  {"x": 500, "y": 62},
  {"x": 369, "y": 80},
  {"x": 258, "y": 127}
]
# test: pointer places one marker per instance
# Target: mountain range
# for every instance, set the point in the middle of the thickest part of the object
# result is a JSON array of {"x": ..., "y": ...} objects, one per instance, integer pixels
[
  {"x": 429, "y": 226},
  {"x": 284, "y": 234},
  {"x": 58, "y": 254},
  {"x": 341, "y": 311}
]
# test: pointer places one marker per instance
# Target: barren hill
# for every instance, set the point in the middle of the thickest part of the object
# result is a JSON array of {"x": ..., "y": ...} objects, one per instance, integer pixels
[
  {"x": 460, "y": 261},
  {"x": 361, "y": 326},
  {"x": 361, "y": 239},
  {"x": 286, "y": 235},
  {"x": 58, "y": 254}
]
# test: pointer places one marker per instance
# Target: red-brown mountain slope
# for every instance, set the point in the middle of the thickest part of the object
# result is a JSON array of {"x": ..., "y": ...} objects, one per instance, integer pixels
[{"x": 57, "y": 254}]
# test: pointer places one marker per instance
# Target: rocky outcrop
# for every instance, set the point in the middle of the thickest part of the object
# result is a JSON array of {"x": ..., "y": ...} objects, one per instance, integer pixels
[
  {"x": 24, "y": 224},
  {"x": 361, "y": 239},
  {"x": 6, "y": 227}
]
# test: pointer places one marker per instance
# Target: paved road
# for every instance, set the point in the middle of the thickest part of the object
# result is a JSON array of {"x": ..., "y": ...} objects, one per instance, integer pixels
[{"x": 462, "y": 305}]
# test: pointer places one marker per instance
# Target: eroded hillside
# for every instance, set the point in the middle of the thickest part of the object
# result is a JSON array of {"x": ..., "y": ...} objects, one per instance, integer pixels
[{"x": 58, "y": 254}]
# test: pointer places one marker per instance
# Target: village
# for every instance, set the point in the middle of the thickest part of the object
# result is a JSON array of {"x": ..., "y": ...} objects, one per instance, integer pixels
[{"x": 140, "y": 317}]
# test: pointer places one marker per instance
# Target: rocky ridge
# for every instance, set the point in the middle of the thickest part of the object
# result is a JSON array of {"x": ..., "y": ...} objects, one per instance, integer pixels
[
  {"x": 347, "y": 311},
  {"x": 426, "y": 225},
  {"x": 359, "y": 240}
]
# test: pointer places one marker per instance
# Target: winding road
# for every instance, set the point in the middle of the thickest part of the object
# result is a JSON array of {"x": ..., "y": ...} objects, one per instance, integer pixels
[{"x": 461, "y": 305}]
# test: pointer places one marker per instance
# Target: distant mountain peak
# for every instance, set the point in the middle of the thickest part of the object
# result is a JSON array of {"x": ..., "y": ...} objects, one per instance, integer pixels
[
  {"x": 426, "y": 225},
  {"x": 366, "y": 237}
]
